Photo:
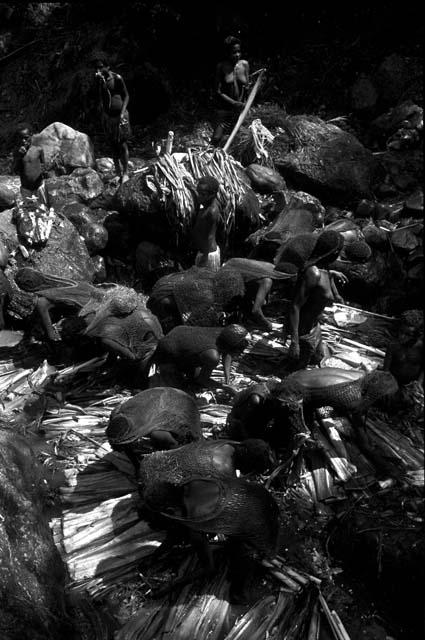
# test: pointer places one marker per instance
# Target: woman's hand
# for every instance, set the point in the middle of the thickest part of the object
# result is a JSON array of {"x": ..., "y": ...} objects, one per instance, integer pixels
[
  {"x": 340, "y": 277},
  {"x": 294, "y": 351}
]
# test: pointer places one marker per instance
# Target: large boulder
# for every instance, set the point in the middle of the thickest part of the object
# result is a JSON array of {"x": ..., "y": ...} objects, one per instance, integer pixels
[
  {"x": 32, "y": 574},
  {"x": 264, "y": 179},
  {"x": 65, "y": 147},
  {"x": 322, "y": 159},
  {"x": 82, "y": 185},
  {"x": 65, "y": 254},
  {"x": 9, "y": 191}
]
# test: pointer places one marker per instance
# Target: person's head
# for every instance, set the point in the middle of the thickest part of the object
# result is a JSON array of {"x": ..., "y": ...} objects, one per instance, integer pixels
[
  {"x": 99, "y": 61},
  {"x": 233, "y": 339},
  {"x": 232, "y": 47},
  {"x": 24, "y": 133},
  {"x": 254, "y": 456},
  {"x": 207, "y": 189},
  {"x": 327, "y": 248}
]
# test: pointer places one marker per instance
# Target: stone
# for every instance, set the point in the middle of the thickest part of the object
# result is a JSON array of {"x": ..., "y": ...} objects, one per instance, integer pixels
[
  {"x": 65, "y": 254},
  {"x": 363, "y": 94},
  {"x": 65, "y": 147},
  {"x": 82, "y": 185},
  {"x": 264, "y": 180},
  {"x": 8, "y": 232},
  {"x": 134, "y": 197},
  {"x": 105, "y": 167},
  {"x": 323, "y": 160},
  {"x": 9, "y": 191}
]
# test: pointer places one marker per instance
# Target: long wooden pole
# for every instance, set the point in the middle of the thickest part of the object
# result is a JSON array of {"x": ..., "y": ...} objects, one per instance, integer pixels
[{"x": 245, "y": 110}]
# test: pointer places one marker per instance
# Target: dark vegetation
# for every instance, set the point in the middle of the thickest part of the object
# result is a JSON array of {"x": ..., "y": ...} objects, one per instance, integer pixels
[{"x": 167, "y": 53}]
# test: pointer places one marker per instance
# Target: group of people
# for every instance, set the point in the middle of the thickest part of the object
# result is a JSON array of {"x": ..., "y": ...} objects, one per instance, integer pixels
[{"x": 316, "y": 282}]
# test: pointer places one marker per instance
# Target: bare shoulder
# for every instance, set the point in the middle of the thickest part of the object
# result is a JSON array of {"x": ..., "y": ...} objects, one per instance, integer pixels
[
  {"x": 214, "y": 210},
  {"x": 312, "y": 276}
]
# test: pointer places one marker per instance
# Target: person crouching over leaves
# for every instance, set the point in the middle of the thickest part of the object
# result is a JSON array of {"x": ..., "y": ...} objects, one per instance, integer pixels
[
  {"x": 208, "y": 216},
  {"x": 196, "y": 351}
]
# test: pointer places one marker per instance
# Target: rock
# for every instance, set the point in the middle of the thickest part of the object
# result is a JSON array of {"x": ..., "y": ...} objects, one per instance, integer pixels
[
  {"x": 77, "y": 213},
  {"x": 247, "y": 219},
  {"x": 393, "y": 77},
  {"x": 9, "y": 191},
  {"x": 65, "y": 147},
  {"x": 95, "y": 236},
  {"x": 64, "y": 254},
  {"x": 33, "y": 577},
  {"x": 414, "y": 205},
  {"x": 99, "y": 269},
  {"x": 8, "y": 231},
  {"x": 134, "y": 197},
  {"x": 375, "y": 237},
  {"x": 404, "y": 168},
  {"x": 105, "y": 167},
  {"x": 264, "y": 179},
  {"x": 324, "y": 160},
  {"x": 347, "y": 228},
  {"x": 83, "y": 185},
  {"x": 365, "y": 209},
  {"x": 363, "y": 94},
  {"x": 405, "y": 240}
]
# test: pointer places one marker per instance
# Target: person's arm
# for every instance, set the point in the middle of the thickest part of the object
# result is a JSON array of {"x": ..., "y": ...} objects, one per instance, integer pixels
[
  {"x": 126, "y": 96},
  {"x": 42, "y": 163},
  {"x": 388, "y": 357},
  {"x": 227, "y": 363},
  {"x": 17, "y": 162},
  {"x": 336, "y": 294},
  {"x": 219, "y": 90}
]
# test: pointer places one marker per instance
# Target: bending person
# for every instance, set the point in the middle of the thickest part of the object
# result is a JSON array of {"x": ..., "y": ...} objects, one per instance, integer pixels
[{"x": 315, "y": 290}]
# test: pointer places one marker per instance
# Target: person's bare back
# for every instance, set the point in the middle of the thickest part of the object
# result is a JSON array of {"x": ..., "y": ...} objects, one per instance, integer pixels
[{"x": 204, "y": 231}]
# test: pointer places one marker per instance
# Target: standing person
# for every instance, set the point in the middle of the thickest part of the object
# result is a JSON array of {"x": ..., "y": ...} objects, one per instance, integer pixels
[
  {"x": 208, "y": 216},
  {"x": 29, "y": 163},
  {"x": 315, "y": 290},
  {"x": 113, "y": 100},
  {"x": 231, "y": 88}
]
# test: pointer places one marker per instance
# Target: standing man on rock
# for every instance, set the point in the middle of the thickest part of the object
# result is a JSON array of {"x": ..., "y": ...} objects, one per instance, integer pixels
[
  {"x": 232, "y": 79},
  {"x": 29, "y": 164},
  {"x": 113, "y": 100}
]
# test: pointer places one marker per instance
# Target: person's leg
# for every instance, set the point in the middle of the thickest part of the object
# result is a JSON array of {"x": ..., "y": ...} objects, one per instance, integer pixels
[
  {"x": 124, "y": 156},
  {"x": 217, "y": 135},
  {"x": 257, "y": 309},
  {"x": 43, "y": 307}
]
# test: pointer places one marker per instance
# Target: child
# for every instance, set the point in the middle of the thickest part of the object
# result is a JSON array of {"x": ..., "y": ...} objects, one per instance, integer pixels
[
  {"x": 29, "y": 164},
  {"x": 207, "y": 219}
]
